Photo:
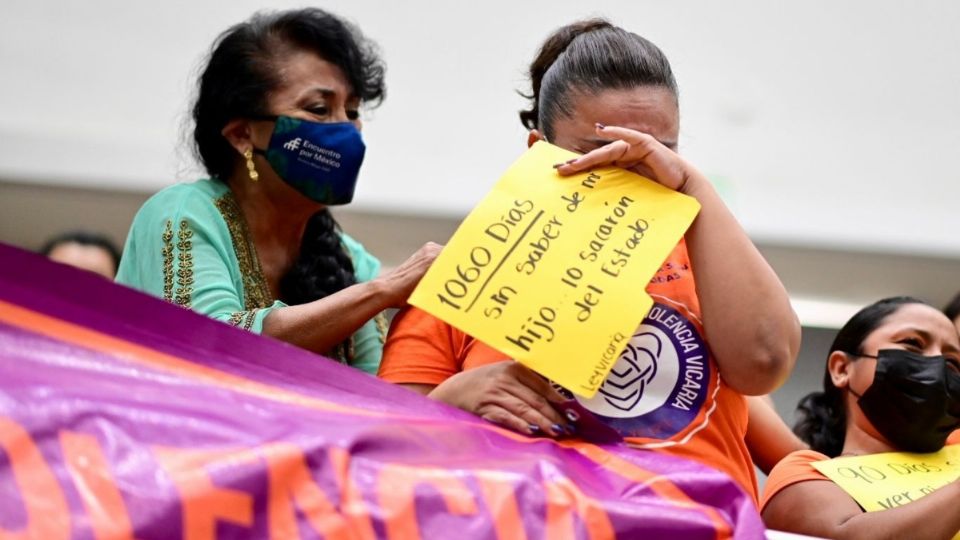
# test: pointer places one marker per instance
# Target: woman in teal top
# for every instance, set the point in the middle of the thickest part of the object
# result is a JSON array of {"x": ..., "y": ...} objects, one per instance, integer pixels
[{"x": 277, "y": 128}]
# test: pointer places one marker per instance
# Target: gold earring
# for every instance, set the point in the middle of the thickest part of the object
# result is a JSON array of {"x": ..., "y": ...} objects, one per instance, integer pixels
[{"x": 251, "y": 168}]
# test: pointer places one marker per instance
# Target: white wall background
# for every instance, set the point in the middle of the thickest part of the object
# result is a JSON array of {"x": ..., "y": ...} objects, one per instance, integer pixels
[{"x": 822, "y": 123}]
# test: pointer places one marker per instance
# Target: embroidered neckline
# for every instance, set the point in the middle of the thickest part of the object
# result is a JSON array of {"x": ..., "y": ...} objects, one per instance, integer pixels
[{"x": 256, "y": 293}]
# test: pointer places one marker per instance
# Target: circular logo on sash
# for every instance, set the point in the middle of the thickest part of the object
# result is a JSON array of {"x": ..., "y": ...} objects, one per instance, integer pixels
[{"x": 659, "y": 383}]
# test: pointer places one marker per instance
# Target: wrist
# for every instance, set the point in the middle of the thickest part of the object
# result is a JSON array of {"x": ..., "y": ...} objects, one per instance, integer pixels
[
  {"x": 696, "y": 185},
  {"x": 380, "y": 293},
  {"x": 439, "y": 393},
  {"x": 447, "y": 392}
]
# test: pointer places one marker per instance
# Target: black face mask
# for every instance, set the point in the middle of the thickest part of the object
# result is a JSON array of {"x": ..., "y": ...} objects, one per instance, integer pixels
[{"x": 914, "y": 400}]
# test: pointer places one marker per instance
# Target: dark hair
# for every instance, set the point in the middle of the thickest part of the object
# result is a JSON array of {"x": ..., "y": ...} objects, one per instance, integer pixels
[
  {"x": 235, "y": 83},
  {"x": 242, "y": 71},
  {"x": 823, "y": 420},
  {"x": 590, "y": 56},
  {"x": 952, "y": 310},
  {"x": 83, "y": 238}
]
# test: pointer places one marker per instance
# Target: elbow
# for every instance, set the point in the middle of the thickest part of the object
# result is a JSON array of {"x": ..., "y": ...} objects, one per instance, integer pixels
[
  {"x": 768, "y": 372},
  {"x": 768, "y": 365},
  {"x": 765, "y": 374}
]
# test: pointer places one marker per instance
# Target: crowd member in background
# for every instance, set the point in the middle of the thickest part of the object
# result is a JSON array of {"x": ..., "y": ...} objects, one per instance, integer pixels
[
  {"x": 277, "y": 127},
  {"x": 892, "y": 383},
  {"x": 85, "y": 250},
  {"x": 952, "y": 311},
  {"x": 610, "y": 95}
]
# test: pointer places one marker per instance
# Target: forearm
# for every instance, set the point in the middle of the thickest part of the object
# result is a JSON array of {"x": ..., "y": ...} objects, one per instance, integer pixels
[
  {"x": 768, "y": 438},
  {"x": 322, "y": 324},
  {"x": 933, "y": 517},
  {"x": 748, "y": 320}
]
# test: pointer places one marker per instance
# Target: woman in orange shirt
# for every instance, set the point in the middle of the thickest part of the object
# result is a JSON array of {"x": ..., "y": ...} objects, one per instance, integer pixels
[
  {"x": 892, "y": 383},
  {"x": 679, "y": 387}
]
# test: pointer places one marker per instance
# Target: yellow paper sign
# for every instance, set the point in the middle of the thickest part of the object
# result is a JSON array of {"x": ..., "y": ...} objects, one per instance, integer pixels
[
  {"x": 884, "y": 481},
  {"x": 551, "y": 270}
]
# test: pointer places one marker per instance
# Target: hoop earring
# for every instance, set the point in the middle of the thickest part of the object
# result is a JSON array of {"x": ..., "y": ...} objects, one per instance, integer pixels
[{"x": 251, "y": 168}]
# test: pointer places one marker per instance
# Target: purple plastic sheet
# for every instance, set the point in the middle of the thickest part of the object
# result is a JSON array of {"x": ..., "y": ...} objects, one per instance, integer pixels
[{"x": 123, "y": 416}]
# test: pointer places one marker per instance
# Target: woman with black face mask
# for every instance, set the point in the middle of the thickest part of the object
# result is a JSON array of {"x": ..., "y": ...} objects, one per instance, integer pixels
[{"x": 892, "y": 384}]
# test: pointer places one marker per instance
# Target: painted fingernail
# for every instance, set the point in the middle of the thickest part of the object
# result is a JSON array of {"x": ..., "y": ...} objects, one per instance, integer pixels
[
  {"x": 534, "y": 428},
  {"x": 601, "y": 126},
  {"x": 571, "y": 429},
  {"x": 572, "y": 415},
  {"x": 557, "y": 429},
  {"x": 558, "y": 165}
]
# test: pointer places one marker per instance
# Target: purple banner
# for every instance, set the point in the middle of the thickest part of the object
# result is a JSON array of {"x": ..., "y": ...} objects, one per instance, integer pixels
[{"x": 122, "y": 416}]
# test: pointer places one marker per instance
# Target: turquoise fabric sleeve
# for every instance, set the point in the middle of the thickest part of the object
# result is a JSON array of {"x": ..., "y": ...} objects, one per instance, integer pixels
[
  {"x": 368, "y": 340},
  {"x": 179, "y": 249}
]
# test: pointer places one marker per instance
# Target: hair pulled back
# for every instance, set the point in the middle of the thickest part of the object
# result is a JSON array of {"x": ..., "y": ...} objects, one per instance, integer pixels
[
  {"x": 590, "y": 56},
  {"x": 823, "y": 420},
  {"x": 242, "y": 70}
]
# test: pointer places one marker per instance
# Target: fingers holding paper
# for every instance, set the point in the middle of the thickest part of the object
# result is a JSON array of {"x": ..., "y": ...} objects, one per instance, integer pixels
[{"x": 637, "y": 152}]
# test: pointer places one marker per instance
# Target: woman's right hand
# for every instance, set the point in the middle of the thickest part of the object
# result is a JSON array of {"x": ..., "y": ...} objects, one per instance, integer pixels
[
  {"x": 400, "y": 282},
  {"x": 508, "y": 394}
]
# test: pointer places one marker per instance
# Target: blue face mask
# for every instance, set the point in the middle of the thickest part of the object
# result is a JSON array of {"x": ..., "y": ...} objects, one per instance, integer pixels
[{"x": 321, "y": 161}]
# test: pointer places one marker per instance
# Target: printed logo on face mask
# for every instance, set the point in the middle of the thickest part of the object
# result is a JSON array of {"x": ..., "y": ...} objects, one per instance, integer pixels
[
  {"x": 320, "y": 160},
  {"x": 660, "y": 382}
]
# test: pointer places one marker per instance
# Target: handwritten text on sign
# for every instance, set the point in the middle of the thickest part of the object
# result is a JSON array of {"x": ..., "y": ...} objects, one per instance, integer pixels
[
  {"x": 551, "y": 271},
  {"x": 884, "y": 481}
]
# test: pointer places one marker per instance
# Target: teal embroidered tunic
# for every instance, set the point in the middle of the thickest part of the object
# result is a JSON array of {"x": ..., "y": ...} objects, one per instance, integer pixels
[{"x": 189, "y": 244}]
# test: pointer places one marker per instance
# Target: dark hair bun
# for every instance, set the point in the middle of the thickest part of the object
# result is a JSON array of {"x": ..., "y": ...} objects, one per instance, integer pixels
[{"x": 590, "y": 55}]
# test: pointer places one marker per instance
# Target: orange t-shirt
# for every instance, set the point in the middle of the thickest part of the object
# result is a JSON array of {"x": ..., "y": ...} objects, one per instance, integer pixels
[
  {"x": 664, "y": 393},
  {"x": 793, "y": 469},
  {"x": 796, "y": 468}
]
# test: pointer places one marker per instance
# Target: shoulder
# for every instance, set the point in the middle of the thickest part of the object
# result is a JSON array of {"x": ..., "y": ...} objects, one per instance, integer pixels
[
  {"x": 800, "y": 460},
  {"x": 183, "y": 200},
  {"x": 421, "y": 349},
  {"x": 186, "y": 214},
  {"x": 415, "y": 321},
  {"x": 365, "y": 265},
  {"x": 795, "y": 468},
  {"x": 166, "y": 231}
]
